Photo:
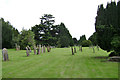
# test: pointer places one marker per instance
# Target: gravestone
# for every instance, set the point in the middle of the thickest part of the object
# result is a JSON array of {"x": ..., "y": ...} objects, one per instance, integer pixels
[
  {"x": 18, "y": 47},
  {"x": 27, "y": 51},
  {"x": 35, "y": 50},
  {"x": 5, "y": 54},
  {"x": 44, "y": 49},
  {"x": 48, "y": 48},
  {"x": 72, "y": 50},
  {"x": 93, "y": 49},
  {"x": 98, "y": 47},
  {"x": 81, "y": 48},
  {"x": 38, "y": 49}
]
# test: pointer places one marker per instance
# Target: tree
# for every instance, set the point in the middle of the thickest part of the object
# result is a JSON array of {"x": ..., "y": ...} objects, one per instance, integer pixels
[
  {"x": 86, "y": 43},
  {"x": 26, "y": 38},
  {"x": 64, "y": 34},
  {"x": 93, "y": 38},
  {"x": 75, "y": 41},
  {"x": 107, "y": 27},
  {"x": 9, "y": 33},
  {"x": 46, "y": 32},
  {"x": 82, "y": 38}
]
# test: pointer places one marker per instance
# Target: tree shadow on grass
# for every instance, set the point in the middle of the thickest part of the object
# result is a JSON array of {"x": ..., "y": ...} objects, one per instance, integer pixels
[{"x": 102, "y": 58}]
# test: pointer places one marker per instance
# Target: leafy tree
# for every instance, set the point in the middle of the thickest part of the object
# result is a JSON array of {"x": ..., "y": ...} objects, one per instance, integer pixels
[
  {"x": 75, "y": 41},
  {"x": 9, "y": 33},
  {"x": 93, "y": 38},
  {"x": 82, "y": 38},
  {"x": 46, "y": 32},
  {"x": 86, "y": 43},
  {"x": 26, "y": 38},
  {"x": 107, "y": 26},
  {"x": 64, "y": 33}
]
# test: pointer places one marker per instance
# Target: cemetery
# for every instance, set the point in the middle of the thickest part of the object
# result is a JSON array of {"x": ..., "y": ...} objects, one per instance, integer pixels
[{"x": 48, "y": 50}]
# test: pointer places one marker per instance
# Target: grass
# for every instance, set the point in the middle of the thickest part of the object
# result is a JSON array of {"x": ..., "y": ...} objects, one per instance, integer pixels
[{"x": 59, "y": 63}]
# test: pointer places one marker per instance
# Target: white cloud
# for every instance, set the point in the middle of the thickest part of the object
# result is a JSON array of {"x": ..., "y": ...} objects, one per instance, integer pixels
[{"x": 78, "y": 15}]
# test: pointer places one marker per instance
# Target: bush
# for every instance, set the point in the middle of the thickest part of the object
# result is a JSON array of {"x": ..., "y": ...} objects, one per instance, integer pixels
[{"x": 86, "y": 43}]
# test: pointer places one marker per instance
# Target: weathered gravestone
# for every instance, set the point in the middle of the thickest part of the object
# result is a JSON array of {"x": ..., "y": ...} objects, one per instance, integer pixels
[
  {"x": 44, "y": 49},
  {"x": 72, "y": 50},
  {"x": 38, "y": 49},
  {"x": 27, "y": 51},
  {"x": 98, "y": 47},
  {"x": 18, "y": 47},
  {"x": 93, "y": 49},
  {"x": 5, "y": 54},
  {"x": 35, "y": 50},
  {"x": 48, "y": 48},
  {"x": 80, "y": 48}
]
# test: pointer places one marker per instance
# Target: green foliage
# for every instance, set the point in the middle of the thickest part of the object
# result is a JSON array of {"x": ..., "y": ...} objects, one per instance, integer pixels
[
  {"x": 64, "y": 33},
  {"x": 26, "y": 38},
  {"x": 93, "y": 38},
  {"x": 86, "y": 43},
  {"x": 82, "y": 38},
  {"x": 75, "y": 41},
  {"x": 9, "y": 35},
  {"x": 107, "y": 26}
]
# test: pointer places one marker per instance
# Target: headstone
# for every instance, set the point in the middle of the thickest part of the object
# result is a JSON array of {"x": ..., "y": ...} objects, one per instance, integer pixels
[
  {"x": 81, "y": 48},
  {"x": 98, "y": 47},
  {"x": 18, "y": 47},
  {"x": 5, "y": 54},
  {"x": 48, "y": 48},
  {"x": 27, "y": 52},
  {"x": 35, "y": 50},
  {"x": 38, "y": 49},
  {"x": 29, "y": 49},
  {"x": 93, "y": 49},
  {"x": 44, "y": 49},
  {"x": 72, "y": 50}
]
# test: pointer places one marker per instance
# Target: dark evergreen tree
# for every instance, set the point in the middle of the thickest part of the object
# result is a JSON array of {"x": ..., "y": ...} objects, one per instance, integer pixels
[{"x": 82, "y": 38}]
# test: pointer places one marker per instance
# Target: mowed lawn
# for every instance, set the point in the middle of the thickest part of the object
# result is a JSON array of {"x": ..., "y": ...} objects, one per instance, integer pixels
[{"x": 59, "y": 63}]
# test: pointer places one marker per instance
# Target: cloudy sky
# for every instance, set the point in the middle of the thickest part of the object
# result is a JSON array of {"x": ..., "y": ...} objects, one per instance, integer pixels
[{"x": 77, "y": 15}]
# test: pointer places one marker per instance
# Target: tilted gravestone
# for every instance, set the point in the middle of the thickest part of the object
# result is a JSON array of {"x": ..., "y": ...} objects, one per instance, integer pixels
[
  {"x": 44, "y": 50},
  {"x": 27, "y": 51},
  {"x": 35, "y": 50},
  {"x": 5, "y": 54},
  {"x": 72, "y": 50}
]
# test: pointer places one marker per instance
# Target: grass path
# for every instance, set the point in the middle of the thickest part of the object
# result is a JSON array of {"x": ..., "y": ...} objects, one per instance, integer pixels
[{"x": 59, "y": 63}]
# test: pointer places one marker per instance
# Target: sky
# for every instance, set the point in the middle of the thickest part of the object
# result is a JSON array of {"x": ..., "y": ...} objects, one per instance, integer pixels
[{"x": 77, "y": 15}]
